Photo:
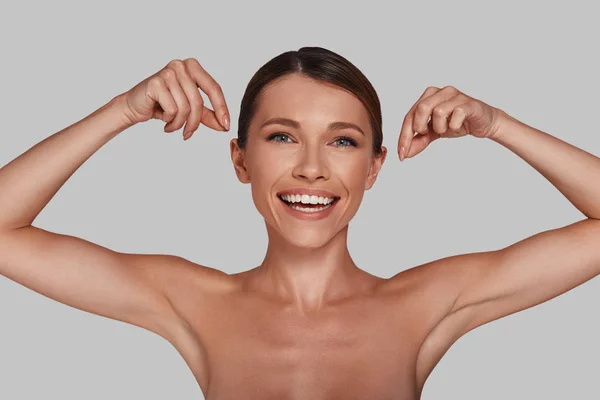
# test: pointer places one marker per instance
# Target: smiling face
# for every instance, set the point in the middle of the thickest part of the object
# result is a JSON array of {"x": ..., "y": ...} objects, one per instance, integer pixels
[{"x": 309, "y": 142}]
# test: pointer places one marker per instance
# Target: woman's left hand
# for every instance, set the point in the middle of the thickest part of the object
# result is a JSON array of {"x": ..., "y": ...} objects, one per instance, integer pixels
[{"x": 453, "y": 114}]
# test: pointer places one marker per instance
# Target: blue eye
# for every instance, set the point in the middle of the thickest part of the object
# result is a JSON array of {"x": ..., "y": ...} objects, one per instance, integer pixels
[
  {"x": 280, "y": 138},
  {"x": 345, "y": 142}
]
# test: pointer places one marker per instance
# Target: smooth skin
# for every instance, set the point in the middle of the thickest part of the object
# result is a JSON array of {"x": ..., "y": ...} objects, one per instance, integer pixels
[{"x": 307, "y": 323}]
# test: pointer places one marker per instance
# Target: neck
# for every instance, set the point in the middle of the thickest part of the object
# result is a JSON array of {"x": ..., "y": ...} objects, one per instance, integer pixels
[{"x": 309, "y": 278}]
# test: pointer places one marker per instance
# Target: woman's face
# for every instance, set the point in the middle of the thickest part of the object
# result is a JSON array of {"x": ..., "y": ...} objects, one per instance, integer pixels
[{"x": 295, "y": 155}]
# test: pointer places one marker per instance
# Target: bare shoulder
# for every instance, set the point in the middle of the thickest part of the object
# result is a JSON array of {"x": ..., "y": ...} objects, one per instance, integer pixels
[
  {"x": 438, "y": 282},
  {"x": 189, "y": 290},
  {"x": 186, "y": 284},
  {"x": 429, "y": 293},
  {"x": 179, "y": 271}
]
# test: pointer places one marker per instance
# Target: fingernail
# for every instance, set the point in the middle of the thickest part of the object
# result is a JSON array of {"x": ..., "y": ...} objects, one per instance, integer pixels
[
  {"x": 226, "y": 121},
  {"x": 402, "y": 153}
]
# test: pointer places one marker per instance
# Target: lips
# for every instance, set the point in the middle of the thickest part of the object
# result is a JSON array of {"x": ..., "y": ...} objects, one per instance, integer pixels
[
  {"x": 315, "y": 205},
  {"x": 308, "y": 191},
  {"x": 308, "y": 203}
]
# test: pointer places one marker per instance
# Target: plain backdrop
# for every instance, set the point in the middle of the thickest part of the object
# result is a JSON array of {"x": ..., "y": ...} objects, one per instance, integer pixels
[{"x": 149, "y": 192}]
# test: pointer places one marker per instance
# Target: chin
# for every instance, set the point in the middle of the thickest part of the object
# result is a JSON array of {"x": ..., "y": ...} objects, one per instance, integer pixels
[
  {"x": 298, "y": 230},
  {"x": 307, "y": 241},
  {"x": 305, "y": 237}
]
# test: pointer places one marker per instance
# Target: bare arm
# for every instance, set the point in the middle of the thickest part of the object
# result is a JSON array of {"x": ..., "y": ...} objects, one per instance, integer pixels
[
  {"x": 550, "y": 263},
  {"x": 470, "y": 290},
  {"x": 126, "y": 287}
]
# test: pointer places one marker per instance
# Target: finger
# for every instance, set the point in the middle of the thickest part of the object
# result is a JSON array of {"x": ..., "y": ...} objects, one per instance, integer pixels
[
  {"x": 406, "y": 132},
  {"x": 213, "y": 90},
  {"x": 210, "y": 119},
  {"x": 159, "y": 93},
  {"x": 459, "y": 115},
  {"x": 183, "y": 106},
  {"x": 193, "y": 97},
  {"x": 425, "y": 107},
  {"x": 420, "y": 142},
  {"x": 441, "y": 114}
]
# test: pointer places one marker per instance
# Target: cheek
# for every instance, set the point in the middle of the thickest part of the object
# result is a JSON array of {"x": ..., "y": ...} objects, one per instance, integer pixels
[
  {"x": 352, "y": 172},
  {"x": 265, "y": 169},
  {"x": 353, "y": 175}
]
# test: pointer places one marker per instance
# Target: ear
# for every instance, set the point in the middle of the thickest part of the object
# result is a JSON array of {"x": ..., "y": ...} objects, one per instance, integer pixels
[
  {"x": 237, "y": 157},
  {"x": 376, "y": 165}
]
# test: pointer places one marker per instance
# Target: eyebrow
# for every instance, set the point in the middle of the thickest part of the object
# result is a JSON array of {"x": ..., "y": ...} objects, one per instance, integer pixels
[{"x": 338, "y": 125}]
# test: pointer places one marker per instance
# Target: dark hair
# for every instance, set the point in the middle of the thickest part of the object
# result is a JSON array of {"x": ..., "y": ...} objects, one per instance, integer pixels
[{"x": 319, "y": 64}]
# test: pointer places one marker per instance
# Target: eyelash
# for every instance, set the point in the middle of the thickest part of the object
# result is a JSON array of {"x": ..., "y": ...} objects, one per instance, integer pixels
[{"x": 351, "y": 141}]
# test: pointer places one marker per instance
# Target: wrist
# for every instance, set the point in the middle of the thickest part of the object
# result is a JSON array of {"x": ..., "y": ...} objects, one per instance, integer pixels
[
  {"x": 120, "y": 109},
  {"x": 506, "y": 126}
]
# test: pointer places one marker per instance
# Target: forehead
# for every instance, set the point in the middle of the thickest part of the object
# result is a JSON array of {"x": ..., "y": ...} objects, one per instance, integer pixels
[{"x": 310, "y": 102}]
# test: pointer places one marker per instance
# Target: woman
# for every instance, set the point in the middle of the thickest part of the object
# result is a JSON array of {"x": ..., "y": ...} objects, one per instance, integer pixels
[{"x": 307, "y": 323}]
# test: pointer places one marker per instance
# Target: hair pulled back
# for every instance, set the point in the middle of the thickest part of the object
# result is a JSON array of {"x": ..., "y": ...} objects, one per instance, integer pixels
[{"x": 319, "y": 64}]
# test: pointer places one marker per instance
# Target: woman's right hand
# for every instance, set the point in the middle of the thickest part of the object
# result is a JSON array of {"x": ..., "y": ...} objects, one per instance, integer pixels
[{"x": 172, "y": 96}]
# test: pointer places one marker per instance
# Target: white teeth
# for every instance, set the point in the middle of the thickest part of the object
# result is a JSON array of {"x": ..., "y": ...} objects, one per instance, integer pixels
[
  {"x": 310, "y": 210},
  {"x": 307, "y": 199}
]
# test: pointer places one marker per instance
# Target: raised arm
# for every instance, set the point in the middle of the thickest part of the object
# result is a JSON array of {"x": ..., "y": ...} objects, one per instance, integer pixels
[
  {"x": 549, "y": 263},
  {"x": 129, "y": 287},
  {"x": 473, "y": 289}
]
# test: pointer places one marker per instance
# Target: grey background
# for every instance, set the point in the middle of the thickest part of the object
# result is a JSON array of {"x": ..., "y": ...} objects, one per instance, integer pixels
[{"x": 149, "y": 192}]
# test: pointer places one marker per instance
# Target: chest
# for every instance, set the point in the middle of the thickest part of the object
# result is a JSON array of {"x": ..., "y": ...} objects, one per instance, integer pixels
[{"x": 253, "y": 350}]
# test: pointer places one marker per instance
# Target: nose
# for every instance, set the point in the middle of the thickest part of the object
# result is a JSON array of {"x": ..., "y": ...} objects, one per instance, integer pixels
[{"x": 311, "y": 164}]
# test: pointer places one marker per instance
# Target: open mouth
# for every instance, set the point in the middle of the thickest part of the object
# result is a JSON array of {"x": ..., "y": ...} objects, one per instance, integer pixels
[{"x": 306, "y": 203}]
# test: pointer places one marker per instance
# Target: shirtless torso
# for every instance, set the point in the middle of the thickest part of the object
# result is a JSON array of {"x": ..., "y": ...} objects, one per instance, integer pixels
[
  {"x": 240, "y": 344},
  {"x": 369, "y": 338}
]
